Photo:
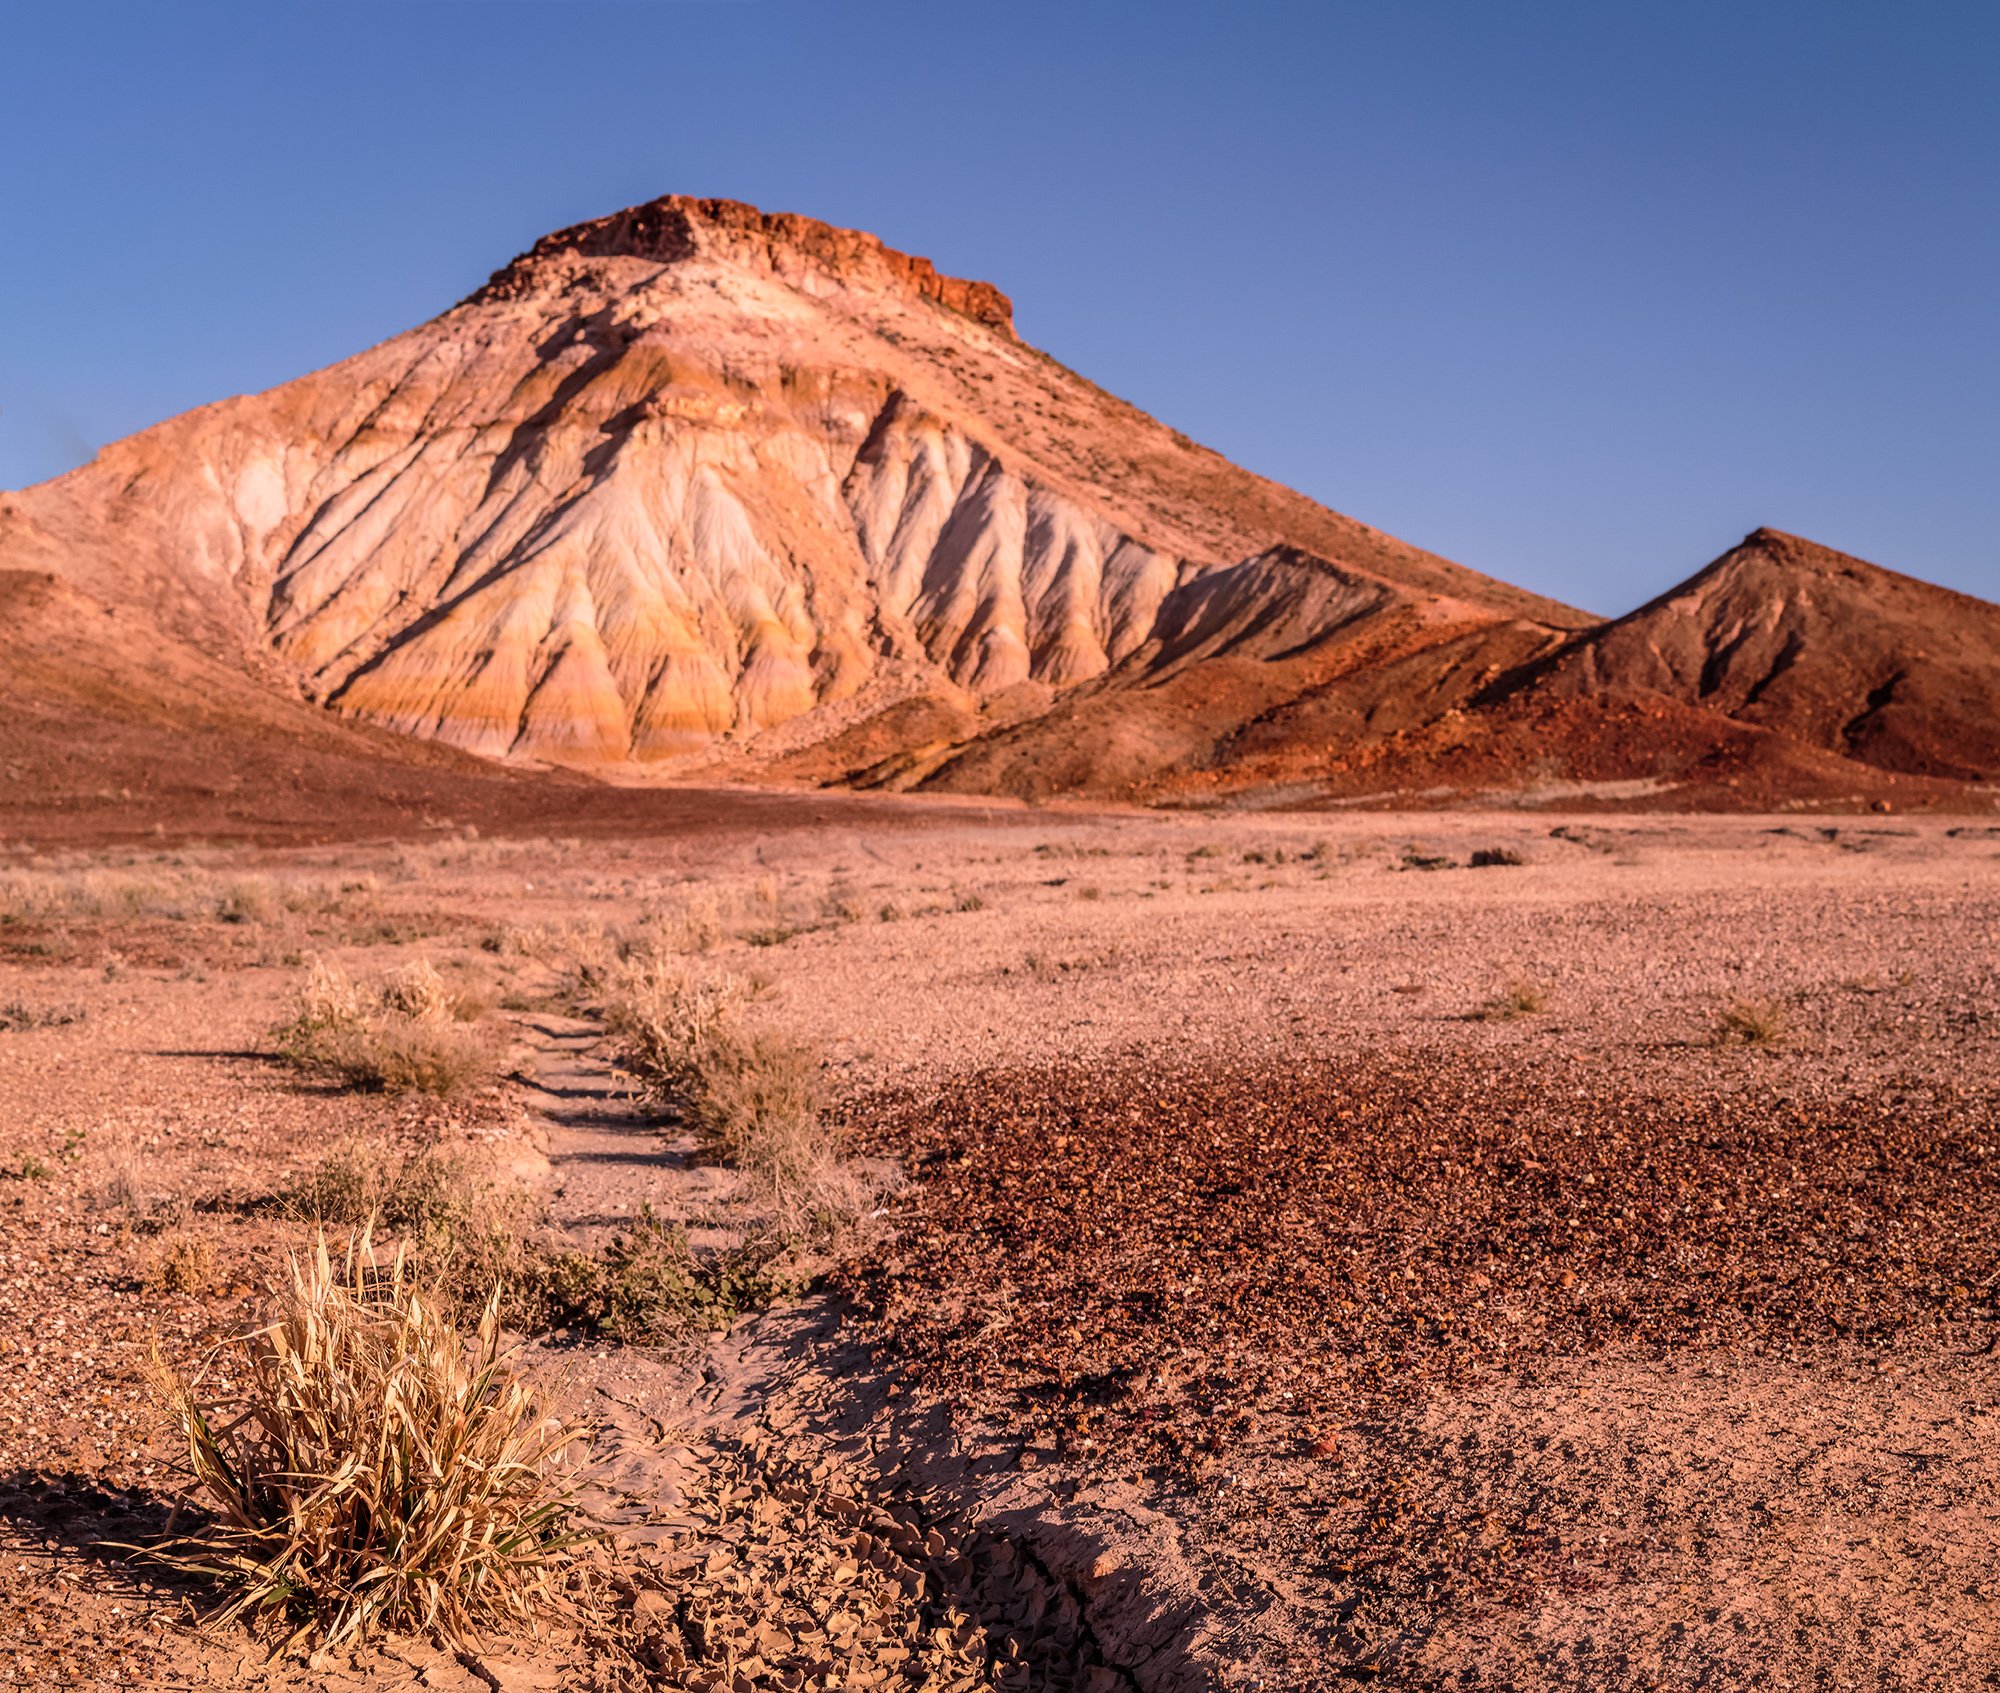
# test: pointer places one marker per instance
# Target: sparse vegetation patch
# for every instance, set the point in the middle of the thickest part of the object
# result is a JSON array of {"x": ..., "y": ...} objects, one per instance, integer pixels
[
  {"x": 1521, "y": 998},
  {"x": 1751, "y": 1022},
  {"x": 380, "y": 1468},
  {"x": 648, "y": 1286},
  {"x": 405, "y": 1036},
  {"x": 18, "y": 1014},
  {"x": 179, "y": 1262},
  {"x": 1415, "y": 858},
  {"x": 751, "y": 1094},
  {"x": 466, "y": 1231}
]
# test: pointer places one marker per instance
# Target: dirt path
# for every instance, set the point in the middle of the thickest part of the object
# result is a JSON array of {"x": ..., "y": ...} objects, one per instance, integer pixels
[{"x": 837, "y": 1465}]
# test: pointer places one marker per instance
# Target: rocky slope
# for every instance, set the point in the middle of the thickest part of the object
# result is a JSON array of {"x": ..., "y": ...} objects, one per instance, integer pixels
[
  {"x": 113, "y": 734},
  {"x": 1835, "y": 653},
  {"x": 1782, "y": 672},
  {"x": 697, "y": 489},
  {"x": 691, "y": 474}
]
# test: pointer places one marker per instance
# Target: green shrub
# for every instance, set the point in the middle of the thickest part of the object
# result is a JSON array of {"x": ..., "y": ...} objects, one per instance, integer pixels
[{"x": 647, "y": 1287}]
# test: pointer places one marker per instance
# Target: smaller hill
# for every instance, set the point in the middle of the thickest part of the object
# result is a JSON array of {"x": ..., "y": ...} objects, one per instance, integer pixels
[{"x": 1836, "y": 653}]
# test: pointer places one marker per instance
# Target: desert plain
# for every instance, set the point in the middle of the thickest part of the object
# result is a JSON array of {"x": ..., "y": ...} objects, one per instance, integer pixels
[{"x": 1488, "y": 1249}]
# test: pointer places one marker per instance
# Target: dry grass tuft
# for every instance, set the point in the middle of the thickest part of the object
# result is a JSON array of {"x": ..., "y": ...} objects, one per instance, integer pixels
[
  {"x": 465, "y": 1228},
  {"x": 753, "y": 1096},
  {"x": 437, "y": 1188},
  {"x": 252, "y": 901},
  {"x": 179, "y": 1263},
  {"x": 19, "y": 1014},
  {"x": 466, "y": 1231},
  {"x": 407, "y": 1036},
  {"x": 1751, "y": 1022},
  {"x": 163, "y": 889},
  {"x": 762, "y": 914},
  {"x": 758, "y": 1104},
  {"x": 417, "y": 992},
  {"x": 1517, "y": 999},
  {"x": 381, "y": 1468},
  {"x": 671, "y": 1021}
]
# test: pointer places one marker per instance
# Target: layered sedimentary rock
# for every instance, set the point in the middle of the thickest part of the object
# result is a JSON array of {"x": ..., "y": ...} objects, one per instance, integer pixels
[
  {"x": 1781, "y": 674},
  {"x": 689, "y": 474},
  {"x": 695, "y": 487}
]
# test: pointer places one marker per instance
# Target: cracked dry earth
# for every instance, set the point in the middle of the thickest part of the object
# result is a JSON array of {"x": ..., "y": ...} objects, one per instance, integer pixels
[{"x": 1259, "y": 1306}]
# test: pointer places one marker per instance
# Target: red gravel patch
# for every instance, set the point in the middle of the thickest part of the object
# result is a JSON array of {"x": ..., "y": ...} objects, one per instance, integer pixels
[{"x": 1143, "y": 1261}]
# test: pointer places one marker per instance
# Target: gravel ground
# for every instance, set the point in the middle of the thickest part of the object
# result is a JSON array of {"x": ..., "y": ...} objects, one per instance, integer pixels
[
  {"x": 1396, "y": 1334},
  {"x": 1562, "y": 1349},
  {"x": 1156, "y": 1253}
]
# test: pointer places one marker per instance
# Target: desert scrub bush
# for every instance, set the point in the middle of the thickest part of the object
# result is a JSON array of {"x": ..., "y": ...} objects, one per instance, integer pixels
[
  {"x": 648, "y": 1285},
  {"x": 246, "y": 902},
  {"x": 19, "y": 1014},
  {"x": 464, "y": 1231},
  {"x": 842, "y": 903},
  {"x": 417, "y": 861},
  {"x": 575, "y": 948},
  {"x": 758, "y": 1103},
  {"x": 751, "y": 1095},
  {"x": 668, "y": 1020},
  {"x": 435, "y": 1186},
  {"x": 404, "y": 1036},
  {"x": 769, "y": 916},
  {"x": 691, "y": 924},
  {"x": 52, "y": 894},
  {"x": 381, "y": 1467},
  {"x": 762, "y": 915},
  {"x": 653, "y": 1286},
  {"x": 1517, "y": 999},
  {"x": 1751, "y": 1022},
  {"x": 169, "y": 892},
  {"x": 417, "y": 991},
  {"x": 1491, "y": 858}
]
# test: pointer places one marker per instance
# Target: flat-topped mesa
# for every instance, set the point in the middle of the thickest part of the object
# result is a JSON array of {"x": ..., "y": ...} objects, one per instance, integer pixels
[{"x": 677, "y": 227}]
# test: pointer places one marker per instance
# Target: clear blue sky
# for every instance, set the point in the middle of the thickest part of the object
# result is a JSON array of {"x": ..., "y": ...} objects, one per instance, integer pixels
[{"x": 1576, "y": 294}]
